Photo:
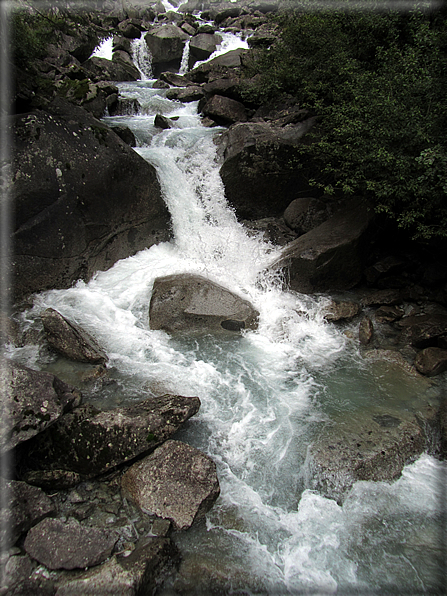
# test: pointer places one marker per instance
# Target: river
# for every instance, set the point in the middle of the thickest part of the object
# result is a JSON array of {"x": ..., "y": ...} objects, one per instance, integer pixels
[{"x": 265, "y": 394}]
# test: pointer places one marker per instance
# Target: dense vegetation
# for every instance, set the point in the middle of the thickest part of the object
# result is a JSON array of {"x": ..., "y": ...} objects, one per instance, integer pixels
[{"x": 377, "y": 79}]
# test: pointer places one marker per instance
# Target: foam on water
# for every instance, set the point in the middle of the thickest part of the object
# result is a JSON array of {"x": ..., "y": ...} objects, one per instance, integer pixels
[{"x": 260, "y": 392}]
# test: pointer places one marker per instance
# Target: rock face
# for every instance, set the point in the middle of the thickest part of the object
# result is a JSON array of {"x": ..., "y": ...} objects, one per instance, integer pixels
[
  {"x": 431, "y": 361},
  {"x": 190, "y": 302},
  {"x": 302, "y": 215},
  {"x": 68, "y": 545},
  {"x": 176, "y": 482},
  {"x": 90, "y": 442},
  {"x": 70, "y": 340},
  {"x": 331, "y": 256},
  {"x": 32, "y": 401},
  {"x": 224, "y": 110},
  {"x": 27, "y": 505},
  {"x": 257, "y": 172},
  {"x": 203, "y": 45},
  {"x": 83, "y": 199},
  {"x": 166, "y": 43},
  {"x": 142, "y": 572}
]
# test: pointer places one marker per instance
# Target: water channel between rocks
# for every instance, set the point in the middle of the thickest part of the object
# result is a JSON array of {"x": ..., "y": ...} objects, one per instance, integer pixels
[{"x": 266, "y": 395}]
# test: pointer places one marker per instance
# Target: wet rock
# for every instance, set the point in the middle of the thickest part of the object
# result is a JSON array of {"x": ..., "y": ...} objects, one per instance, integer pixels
[
  {"x": 166, "y": 43},
  {"x": 302, "y": 215},
  {"x": 90, "y": 442},
  {"x": 188, "y": 302},
  {"x": 217, "y": 67},
  {"x": 125, "y": 134},
  {"x": 273, "y": 230},
  {"x": 26, "y": 506},
  {"x": 142, "y": 572},
  {"x": 175, "y": 79},
  {"x": 16, "y": 577},
  {"x": 341, "y": 310},
  {"x": 129, "y": 29},
  {"x": 224, "y": 110},
  {"x": 31, "y": 402},
  {"x": 203, "y": 45},
  {"x": 424, "y": 330},
  {"x": 332, "y": 256},
  {"x": 101, "y": 69},
  {"x": 70, "y": 340},
  {"x": 374, "y": 450},
  {"x": 176, "y": 482},
  {"x": 71, "y": 218},
  {"x": 431, "y": 361},
  {"x": 163, "y": 122},
  {"x": 68, "y": 545},
  {"x": 387, "y": 296},
  {"x": 388, "y": 314},
  {"x": 366, "y": 331},
  {"x": 257, "y": 166},
  {"x": 186, "y": 95}
]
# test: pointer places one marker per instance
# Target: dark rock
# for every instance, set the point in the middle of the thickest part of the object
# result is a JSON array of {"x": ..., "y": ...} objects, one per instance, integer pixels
[
  {"x": 142, "y": 572},
  {"x": 257, "y": 172},
  {"x": 366, "y": 330},
  {"x": 31, "y": 402},
  {"x": 203, "y": 45},
  {"x": 228, "y": 87},
  {"x": 384, "y": 267},
  {"x": 388, "y": 314},
  {"x": 80, "y": 46},
  {"x": 125, "y": 107},
  {"x": 431, "y": 361},
  {"x": 16, "y": 577},
  {"x": 176, "y": 482},
  {"x": 188, "y": 94},
  {"x": 341, "y": 310},
  {"x": 74, "y": 214},
  {"x": 125, "y": 134},
  {"x": 189, "y": 302},
  {"x": 26, "y": 506},
  {"x": 233, "y": 11},
  {"x": 217, "y": 67},
  {"x": 68, "y": 545},
  {"x": 273, "y": 230},
  {"x": 332, "y": 256},
  {"x": 70, "y": 340},
  {"x": 166, "y": 43},
  {"x": 424, "y": 330},
  {"x": 161, "y": 121},
  {"x": 224, "y": 110},
  {"x": 388, "y": 296},
  {"x": 175, "y": 79},
  {"x": 90, "y": 442},
  {"x": 101, "y": 69},
  {"x": 159, "y": 84},
  {"x": 304, "y": 214},
  {"x": 122, "y": 43},
  {"x": 129, "y": 30}
]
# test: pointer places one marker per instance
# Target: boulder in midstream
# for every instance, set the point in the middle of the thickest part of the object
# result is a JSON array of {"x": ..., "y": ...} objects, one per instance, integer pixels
[{"x": 188, "y": 302}]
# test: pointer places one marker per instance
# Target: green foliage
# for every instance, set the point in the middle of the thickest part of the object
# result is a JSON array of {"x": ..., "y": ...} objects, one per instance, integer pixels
[{"x": 378, "y": 82}]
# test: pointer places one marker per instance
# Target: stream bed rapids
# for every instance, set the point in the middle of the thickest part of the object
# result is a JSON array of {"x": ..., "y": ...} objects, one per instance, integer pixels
[{"x": 266, "y": 395}]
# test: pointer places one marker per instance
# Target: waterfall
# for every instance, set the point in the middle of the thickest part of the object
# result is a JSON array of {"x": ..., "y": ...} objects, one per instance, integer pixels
[
  {"x": 185, "y": 59},
  {"x": 266, "y": 395},
  {"x": 142, "y": 58}
]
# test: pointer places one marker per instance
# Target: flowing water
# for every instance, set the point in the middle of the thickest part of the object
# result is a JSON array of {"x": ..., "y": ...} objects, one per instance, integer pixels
[{"x": 265, "y": 394}]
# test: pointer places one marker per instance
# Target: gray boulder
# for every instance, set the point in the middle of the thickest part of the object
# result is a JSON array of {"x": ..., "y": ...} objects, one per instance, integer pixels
[
  {"x": 68, "y": 545},
  {"x": 70, "y": 340},
  {"x": 203, "y": 45},
  {"x": 259, "y": 171},
  {"x": 341, "y": 310},
  {"x": 166, "y": 43},
  {"x": 26, "y": 506},
  {"x": 217, "y": 67},
  {"x": 90, "y": 442},
  {"x": 176, "y": 482},
  {"x": 304, "y": 214},
  {"x": 142, "y": 572},
  {"x": 331, "y": 256},
  {"x": 422, "y": 331},
  {"x": 31, "y": 402},
  {"x": 82, "y": 198},
  {"x": 190, "y": 302},
  {"x": 101, "y": 69},
  {"x": 187, "y": 94},
  {"x": 431, "y": 361},
  {"x": 224, "y": 110}
]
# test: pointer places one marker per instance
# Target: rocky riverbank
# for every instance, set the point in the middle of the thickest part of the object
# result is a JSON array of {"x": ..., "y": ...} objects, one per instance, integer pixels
[{"x": 96, "y": 495}]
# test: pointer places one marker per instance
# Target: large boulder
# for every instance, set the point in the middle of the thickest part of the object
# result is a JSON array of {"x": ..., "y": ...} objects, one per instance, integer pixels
[
  {"x": 259, "y": 168},
  {"x": 176, "y": 482},
  {"x": 142, "y": 572},
  {"x": 82, "y": 199},
  {"x": 219, "y": 66},
  {"x": 90, "y": 442},
  {"x": 70, "y": 340},
  {"x": 203, "y": 45},
  {"x": 188, "y": 302},
  {"x": 68, "y": 545},
  {"x": 101, "y": 69},
  {"x": 224, "y": 110},
  {"x": 31, "y": 402},
  {"x": 166, "y": 43},
  {"x": 331, "y": 256}
]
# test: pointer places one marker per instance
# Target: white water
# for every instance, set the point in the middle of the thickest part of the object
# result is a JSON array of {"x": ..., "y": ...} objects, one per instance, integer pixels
[{"x": 264, "y": 395}]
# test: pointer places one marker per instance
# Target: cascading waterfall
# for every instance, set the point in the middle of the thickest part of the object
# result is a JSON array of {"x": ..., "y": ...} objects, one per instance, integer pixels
[
  {"x": 142, "y": 58},
  {"x": 185, "y": 59},
  {"x": 265, "y": 395}
]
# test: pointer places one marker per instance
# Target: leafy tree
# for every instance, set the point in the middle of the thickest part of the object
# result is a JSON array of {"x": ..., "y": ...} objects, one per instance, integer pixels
[{"x": 377, "y": 80}]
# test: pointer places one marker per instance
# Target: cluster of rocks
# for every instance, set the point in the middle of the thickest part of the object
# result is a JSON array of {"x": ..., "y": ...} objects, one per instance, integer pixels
[{"x": 95, "y": 494}]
